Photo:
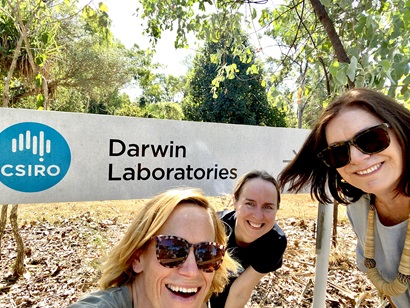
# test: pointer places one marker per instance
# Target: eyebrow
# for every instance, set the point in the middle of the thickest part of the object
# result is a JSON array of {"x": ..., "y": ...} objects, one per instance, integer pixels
[{"x": 267, "y": 203}]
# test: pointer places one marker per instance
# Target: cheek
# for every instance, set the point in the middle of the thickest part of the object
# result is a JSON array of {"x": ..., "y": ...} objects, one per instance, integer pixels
[
  {"x": 271, "y": 217},
  {"x": 342, "y": 173},
  {"x": 209, "y": 277},
  {"x": 242, "y": 212}
]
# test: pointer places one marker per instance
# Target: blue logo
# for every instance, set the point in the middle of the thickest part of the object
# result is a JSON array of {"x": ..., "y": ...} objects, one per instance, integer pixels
[{"x": 33, "y": 157}]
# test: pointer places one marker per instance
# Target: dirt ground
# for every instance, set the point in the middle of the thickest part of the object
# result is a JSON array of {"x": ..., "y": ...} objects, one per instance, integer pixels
[{"x": 63, "y": 253}]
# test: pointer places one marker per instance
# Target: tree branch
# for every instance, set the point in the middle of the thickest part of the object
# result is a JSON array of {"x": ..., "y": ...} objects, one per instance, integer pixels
[{"x": 327, "y": 23}]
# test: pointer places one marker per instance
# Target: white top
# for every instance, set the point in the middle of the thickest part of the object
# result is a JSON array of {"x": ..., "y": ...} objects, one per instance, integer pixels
[{"x": 389, "y": 244}]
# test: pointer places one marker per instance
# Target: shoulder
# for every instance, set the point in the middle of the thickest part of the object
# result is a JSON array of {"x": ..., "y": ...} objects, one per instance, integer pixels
[
  {"x": 278, "y": 231},
  {"x": 358, "y": 211},
  {"x": 275, "y": 240},
  {"x": 227, "y": 215},
  {"x": 118, "y": 297},
  {"x": 277, "y": 236},
  {"x": 360, "y": 207}
]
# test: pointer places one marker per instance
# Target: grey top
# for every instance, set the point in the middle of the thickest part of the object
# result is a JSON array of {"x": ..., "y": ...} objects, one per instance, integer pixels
[
  {"x": 389, "y": 244},
  {"x": 117, "y": 297}
]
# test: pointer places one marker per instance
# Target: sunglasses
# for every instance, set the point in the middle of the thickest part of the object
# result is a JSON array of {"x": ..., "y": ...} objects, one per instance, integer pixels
[
  {"x": 370, "y": 141},
  {"x": 172, "y": 251}
]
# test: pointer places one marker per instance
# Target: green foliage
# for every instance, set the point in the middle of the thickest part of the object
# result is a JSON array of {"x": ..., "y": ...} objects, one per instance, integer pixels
[
  {"x": 130, "y": 110},
  {"x": 103, "y": 69},
  {"x": 159, "y": 87},
  {"x": 163, "y": 110},
  {"x": 67, "y": 49},
  {"x": 373, "y": 35},
  {"x": 69, "y": 100},
  {"x": 108, "y": 104},
  {"x": 97, "y": 22},
  {"x": 240, "y": 99}
]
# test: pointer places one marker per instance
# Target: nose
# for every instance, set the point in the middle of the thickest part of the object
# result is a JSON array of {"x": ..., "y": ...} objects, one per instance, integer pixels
[
  {"x": 189, "y": 267},
  {"x": 257, "y": 212},
  {"x": 356, "y": 155}
]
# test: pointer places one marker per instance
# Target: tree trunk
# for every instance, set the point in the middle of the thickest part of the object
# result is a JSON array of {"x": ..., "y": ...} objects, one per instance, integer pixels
[
  {"x": 16, "y": 13},
  {"x": 6, "y": 96},
  {"x": 45, "y": 93},
  {"x": 3, "y": 221},
  {"x": 327, "y": 23},
  {"x": 19, "y": 265}
]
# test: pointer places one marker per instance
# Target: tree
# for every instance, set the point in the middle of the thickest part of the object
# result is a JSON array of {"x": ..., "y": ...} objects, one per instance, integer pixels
[
  {"x": 32, "y": 42},
  {"x": 28, "y": 41},
  {"x": 130, "y": 110},
  {"x": 325, "y": 45},
  {"x": 239, "y": 100},
  {"x": 88, "y": 64},
  {"x": 364, "y": 28},
  {"x": 163, "y": 110},
  {"x": 160, "y": 87},
  {"x": 96, "y": 71}
]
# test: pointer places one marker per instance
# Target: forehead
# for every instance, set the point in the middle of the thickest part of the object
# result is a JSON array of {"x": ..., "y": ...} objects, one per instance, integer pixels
[
  {"x": 348, "y": 122},
  {"x": 258, "y": 187},
  {"x": 189, "y": 221}
]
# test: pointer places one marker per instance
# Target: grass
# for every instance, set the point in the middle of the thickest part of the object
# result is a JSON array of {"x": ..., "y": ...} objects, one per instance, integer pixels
[{"x": 299, "y": 206}]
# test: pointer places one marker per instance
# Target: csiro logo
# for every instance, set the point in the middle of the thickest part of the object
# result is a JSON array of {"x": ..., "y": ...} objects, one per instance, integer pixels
[{"x": 33, "y": 157}]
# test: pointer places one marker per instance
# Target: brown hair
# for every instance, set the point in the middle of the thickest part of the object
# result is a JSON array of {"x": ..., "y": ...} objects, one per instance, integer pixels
[{"x": 307, "y": 169}]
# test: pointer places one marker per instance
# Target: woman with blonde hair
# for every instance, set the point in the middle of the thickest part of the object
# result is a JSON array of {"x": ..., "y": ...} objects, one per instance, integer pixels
[{"x": 172, "y": 255}]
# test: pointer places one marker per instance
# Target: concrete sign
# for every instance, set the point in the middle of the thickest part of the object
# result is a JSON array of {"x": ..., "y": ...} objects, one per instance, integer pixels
[{"x": 50, "y": 156}]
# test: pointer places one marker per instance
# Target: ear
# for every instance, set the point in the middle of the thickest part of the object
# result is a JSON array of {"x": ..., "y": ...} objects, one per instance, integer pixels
[
  {"x": 234, "y": 201},
  {"x": 137, "y": 265}
]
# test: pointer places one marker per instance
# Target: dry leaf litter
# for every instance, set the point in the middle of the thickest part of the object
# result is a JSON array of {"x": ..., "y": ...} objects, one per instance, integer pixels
[{"x": 62, "y": 264}]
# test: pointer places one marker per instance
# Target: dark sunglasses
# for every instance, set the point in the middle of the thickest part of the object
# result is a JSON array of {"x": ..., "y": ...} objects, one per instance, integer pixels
[
  {"x": 172, "y": 251},
  {"x": 370, "y": 141}
]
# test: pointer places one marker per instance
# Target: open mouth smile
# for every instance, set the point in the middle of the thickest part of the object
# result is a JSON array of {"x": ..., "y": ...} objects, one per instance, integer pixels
[
  {"x": 254, "y": 225},
  {"x": 184, "y": 292},
  {"x": 370, "y": 170}
]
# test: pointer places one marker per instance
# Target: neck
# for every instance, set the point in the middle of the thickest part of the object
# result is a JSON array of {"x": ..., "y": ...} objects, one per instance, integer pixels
[
  {"x": 392, "y": 210},
  {"x": 240, "y": 240},
  {"x": 133, "y": 287}
]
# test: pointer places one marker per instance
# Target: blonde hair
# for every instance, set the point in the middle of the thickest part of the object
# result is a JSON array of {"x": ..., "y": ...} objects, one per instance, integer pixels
[{"x": 117, "y": 269}]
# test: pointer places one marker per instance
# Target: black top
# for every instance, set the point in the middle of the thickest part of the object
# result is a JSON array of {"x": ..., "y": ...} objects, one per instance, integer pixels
[{"x": 265, "y": 254}]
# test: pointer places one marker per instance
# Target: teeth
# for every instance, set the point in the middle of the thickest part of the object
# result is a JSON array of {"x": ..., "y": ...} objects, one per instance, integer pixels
[
  {"x": 255, "y": 225},
  {"x": 371, "y": 169},
  {"x": 182, "y": 290}
]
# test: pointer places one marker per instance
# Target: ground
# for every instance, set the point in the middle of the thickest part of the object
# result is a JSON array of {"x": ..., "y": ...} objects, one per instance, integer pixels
[{"x": 65, "y": 242}]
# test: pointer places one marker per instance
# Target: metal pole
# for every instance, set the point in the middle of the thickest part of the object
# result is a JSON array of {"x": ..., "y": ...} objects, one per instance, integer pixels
[{"x": 323, "y": 236}]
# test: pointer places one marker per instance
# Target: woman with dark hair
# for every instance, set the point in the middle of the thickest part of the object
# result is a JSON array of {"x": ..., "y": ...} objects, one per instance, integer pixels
[
  {"x": 357, "y": 154},
  {"x": 255, "y": 240}
]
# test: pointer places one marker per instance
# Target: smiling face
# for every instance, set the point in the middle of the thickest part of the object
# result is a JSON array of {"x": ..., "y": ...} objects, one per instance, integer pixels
[
  {"x": 256, "y": 209},
  {"x": 184, "y": 286},
  {"x": 373, "y": 173}
]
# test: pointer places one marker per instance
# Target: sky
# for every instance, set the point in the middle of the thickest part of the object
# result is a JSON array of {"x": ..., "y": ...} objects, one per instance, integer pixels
[{"x": 128, "y": 27}]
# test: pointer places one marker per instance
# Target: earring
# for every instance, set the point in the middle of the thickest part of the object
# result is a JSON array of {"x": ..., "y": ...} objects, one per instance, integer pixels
[{"x": 343, "y": 180}]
